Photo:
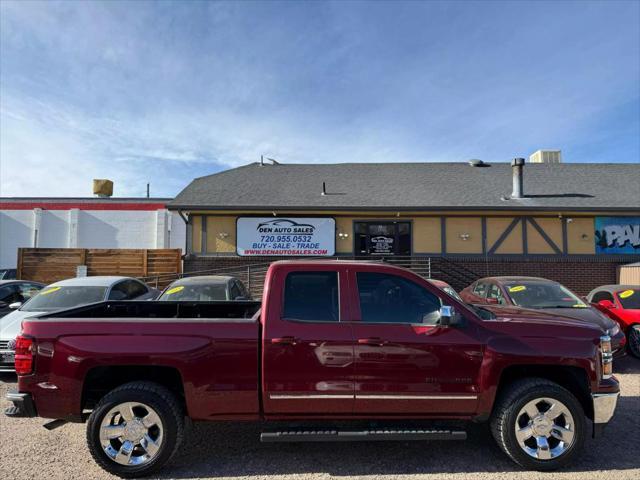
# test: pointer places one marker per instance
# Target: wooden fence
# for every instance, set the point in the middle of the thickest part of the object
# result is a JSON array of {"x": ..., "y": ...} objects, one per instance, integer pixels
[{"x": 48, "y": 265}]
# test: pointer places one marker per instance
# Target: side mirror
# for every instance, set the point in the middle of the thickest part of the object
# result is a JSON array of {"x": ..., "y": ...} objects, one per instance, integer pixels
[
  {"x": 492, "y": 301},
  {"x": 15, "y": 305},
  {"x": 449, "y": 316},
  {"x": 608, "y": 304}
]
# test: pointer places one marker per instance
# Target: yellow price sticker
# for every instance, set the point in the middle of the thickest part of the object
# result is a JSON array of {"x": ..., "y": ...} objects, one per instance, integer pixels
[
  {"x": 50, "y": 290},
  {"x": 518, "y": 288},
  {"x": 580, "y": 305},
  {"x": 173, "y": 290},
  {"x": 626, "y": 293}
]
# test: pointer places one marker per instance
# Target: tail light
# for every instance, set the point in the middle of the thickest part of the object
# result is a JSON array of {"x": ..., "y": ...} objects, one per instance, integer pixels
[
  {"x": 25, "y": 347},
  {"x": 606, "y": 356}
]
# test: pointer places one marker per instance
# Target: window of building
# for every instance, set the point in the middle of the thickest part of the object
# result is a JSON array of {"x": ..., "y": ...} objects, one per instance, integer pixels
[
  {"x": 382, "y": 238},
  {"x": 311, "y": 296}
]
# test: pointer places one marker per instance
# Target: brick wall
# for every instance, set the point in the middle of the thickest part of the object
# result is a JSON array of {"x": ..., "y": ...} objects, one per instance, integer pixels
[{"x": 579, "y": 273}]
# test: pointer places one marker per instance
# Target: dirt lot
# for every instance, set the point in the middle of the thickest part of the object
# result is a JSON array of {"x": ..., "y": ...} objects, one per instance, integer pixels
[{"x": 233, "y": 451}]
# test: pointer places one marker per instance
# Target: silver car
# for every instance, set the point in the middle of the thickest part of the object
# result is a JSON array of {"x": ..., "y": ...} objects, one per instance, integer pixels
[{"x": 66, "y": 294}]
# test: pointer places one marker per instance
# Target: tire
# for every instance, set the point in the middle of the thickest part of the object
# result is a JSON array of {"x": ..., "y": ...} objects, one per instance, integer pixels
[
  {"x": 509, "y": 414},
  {"x": 139, "y": 450},
  {"x": 633, "y": 340}
]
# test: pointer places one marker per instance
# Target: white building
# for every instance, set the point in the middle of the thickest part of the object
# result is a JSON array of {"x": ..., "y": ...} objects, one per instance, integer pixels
[{"x": 86, "y": 223}]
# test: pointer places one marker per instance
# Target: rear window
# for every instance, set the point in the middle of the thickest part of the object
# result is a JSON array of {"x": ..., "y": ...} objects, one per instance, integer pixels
[
  {"x": 195, "y": 292},
  {"x": 54, "y": 298},
  {"x": 311, "y": 297}
]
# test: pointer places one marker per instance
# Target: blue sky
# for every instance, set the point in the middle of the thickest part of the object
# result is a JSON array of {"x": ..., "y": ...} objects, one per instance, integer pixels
[{"x": 163, "y": 92}]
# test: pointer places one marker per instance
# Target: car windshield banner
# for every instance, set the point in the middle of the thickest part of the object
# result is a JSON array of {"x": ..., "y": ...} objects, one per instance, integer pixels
[
  {"x": 617, "y": 235},
  {"x": 291, "y": 236}
]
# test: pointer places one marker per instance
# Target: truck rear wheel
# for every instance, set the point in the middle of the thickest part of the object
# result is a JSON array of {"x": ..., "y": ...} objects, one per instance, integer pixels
[
  {"x": 135, "y": 429},
  {"x": 539, "y": 424}
]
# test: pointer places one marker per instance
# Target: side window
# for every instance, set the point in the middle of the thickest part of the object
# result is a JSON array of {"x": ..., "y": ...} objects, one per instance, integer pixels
[
  {"x": 135, "y": 289},
  {"x": 119, "y": 291},
  {"x": 480, "y": 289},
  {"x": 602, "y": 296},
  {"x": 388, "y": 298},
  {"x": 234, "y": 291},
  {"x": 496, "y": 293},
  {"x": 28, "y": 290},
  {"x": 9, "y": 294},
  {"x": 311, "y": 296}
]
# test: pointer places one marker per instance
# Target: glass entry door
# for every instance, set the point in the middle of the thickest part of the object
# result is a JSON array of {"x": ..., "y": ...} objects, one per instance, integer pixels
[{"x": 382, "y": 238}]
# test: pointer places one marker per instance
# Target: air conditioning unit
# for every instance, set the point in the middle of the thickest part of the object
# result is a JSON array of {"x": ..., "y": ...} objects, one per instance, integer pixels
[{"x": 546, "y": 156}]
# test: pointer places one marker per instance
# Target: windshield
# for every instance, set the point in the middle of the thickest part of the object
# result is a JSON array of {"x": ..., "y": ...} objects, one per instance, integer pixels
[
  {"x": 630, "y": 299},
  {"x": 542, "y": 295},
  {"x": 195, "y": 293},
  {"x": 54, "y": 298}
]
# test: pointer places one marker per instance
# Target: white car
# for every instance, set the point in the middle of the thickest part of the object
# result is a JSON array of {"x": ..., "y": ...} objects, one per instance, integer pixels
[{"x": 66, "y": 294}]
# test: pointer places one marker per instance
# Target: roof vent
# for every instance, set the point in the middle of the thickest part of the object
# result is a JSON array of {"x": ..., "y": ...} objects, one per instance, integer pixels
[
  {"x": 474, "y": 162},
  {"x": 272, "y": 160}
]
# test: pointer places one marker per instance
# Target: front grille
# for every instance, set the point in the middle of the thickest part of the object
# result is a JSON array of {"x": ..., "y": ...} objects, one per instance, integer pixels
[{"x": 4, "y": 344}]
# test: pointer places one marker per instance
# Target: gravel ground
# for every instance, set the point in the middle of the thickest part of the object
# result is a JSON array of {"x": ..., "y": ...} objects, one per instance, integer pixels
[{"x": 233, "y": 451}]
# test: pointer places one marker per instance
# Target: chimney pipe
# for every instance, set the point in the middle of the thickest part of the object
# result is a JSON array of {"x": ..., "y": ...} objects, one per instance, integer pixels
[{"x": 517, "y": 167}]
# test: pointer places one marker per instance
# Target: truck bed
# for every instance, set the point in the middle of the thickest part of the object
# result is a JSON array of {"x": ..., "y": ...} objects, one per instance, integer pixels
[{"x": 212, "y": 346}]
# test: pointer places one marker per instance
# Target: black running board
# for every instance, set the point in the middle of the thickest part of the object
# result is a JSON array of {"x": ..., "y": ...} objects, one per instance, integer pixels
[{"x": 360, "y": 435}]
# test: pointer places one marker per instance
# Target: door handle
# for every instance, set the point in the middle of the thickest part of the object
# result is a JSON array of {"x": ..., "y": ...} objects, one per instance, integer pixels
[
  {"x": 375, "y": 341},
  {"x": 288, "y": 340}
]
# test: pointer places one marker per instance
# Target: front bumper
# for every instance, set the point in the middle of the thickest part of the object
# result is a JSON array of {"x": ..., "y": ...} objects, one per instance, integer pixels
[{"x": 23, "y": 405}]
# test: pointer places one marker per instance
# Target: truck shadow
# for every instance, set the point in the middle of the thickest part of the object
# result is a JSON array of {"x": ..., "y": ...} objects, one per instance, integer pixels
[{"x": 235, "y": 451}]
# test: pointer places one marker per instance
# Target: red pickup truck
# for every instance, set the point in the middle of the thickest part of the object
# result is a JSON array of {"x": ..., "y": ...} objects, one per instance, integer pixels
[{"x": 336, "y": 351}]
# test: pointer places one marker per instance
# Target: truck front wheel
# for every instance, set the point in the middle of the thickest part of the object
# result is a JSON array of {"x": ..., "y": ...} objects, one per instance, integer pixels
[
  {"x": 538, "y": 424},
  {"x": 135, "y": 429}
]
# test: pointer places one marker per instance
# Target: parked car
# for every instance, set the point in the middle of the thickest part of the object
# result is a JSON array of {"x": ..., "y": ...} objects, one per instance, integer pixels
[
  {"x": 540, "y": 294},
  {"x": 622, "y": 304},
  {"x": 206, "y": 288},
  {"x": 333, "y": 341},
  {"x": 13, "y": 292},
  {"x": 65, "y": 294}
]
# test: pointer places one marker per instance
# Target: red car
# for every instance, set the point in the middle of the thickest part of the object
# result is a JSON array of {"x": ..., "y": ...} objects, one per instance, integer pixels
[
  {"x": 622, "y": 304},
  {"x": 540, "y": 294},
  {"x": 333, "y": 349},
  {"x": 445, "y": 287}
]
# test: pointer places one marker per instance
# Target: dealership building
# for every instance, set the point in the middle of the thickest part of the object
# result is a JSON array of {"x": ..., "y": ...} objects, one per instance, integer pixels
[{"x": 572, "y": 222}]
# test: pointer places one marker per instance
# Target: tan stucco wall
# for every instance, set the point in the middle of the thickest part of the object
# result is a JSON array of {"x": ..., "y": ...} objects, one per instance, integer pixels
[
  {"x": 495, "y": 228},
  {"x": 576, "y": 228},
  {"x": 457, "y": 226},
  {"x": 426, "y": 233},
  {"x": 427, "y": 236},
  {"x": 221, "y": 234},
  {"x": 344, "y": 225}
]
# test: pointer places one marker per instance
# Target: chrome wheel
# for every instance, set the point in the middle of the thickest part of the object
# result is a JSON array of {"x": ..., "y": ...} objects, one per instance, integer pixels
[
  {"x": 131, "y": 433},
  {"x": 545, "y": 428}
]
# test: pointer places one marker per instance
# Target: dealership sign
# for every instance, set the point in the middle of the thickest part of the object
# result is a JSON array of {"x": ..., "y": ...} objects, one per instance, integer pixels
[
  {"x": 617, "y": 234},
  {"x": 279, "y": 236}
]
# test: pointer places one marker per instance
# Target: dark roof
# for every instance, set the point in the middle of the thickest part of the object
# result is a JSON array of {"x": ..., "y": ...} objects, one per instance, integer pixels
[{"x": 401, "y": 186}]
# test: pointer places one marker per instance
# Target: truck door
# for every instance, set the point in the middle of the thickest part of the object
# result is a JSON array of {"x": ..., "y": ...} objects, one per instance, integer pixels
[
  {"x": 307, "y": 343},
  {"x": 406, "y": 363}
]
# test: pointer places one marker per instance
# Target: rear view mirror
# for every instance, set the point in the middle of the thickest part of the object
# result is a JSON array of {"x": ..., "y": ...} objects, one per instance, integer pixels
[
  {"x": 449, "y": 316},
  {"x": 15, "y": 305}
]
